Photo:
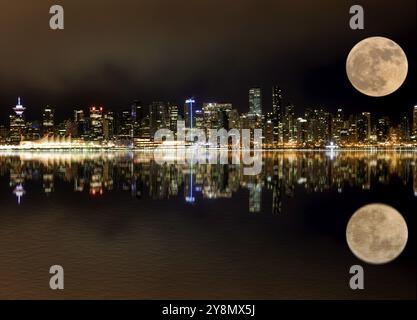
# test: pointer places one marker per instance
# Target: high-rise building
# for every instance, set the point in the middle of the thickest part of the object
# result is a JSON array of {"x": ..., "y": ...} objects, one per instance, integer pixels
[
  {"x": 158, "y": 117},
  {"x": 81, "y": 124},
  {"x": 125, "y": 125},
  {"x": 137, "y": 111},
  {"x": 108, "y": 125},
  {"x": 277, "y": 113},
  {"x": 234, "y": 119},
  {"x": 367, "y": 118},
  {"x": 337, "y": 127},
  {"x": 210, "y": 111},
  {"x": 405, "y": 132},
  {"x": 415, "y": 121},
  {"x": 17, "y": 123},
  {"x": 302, "y": 136},
  {"x": 189, "y": 109},
  {"x": 4, "y": 133},
  {"x": 69, "y": 128},
  {"x": 217, "y": 115},
  {"x": 363, "y": 127},
  {"x": 61, "y": 128},
  {"x": 79, "y": 115},
  {"x": 137, "y": 114},
  {"x": 383, "y": 126},
  {"x": 199, "y": 119},
  {"x": 289, "y": 125},
  {"x": 268, "y": 131},
  {"x": 255, "y": 101},
  {"x": 96, "y": 120},
  {"x": 144, "y": 128},
  {"x": 48, "y": 120},
  {"x": 223, "y": 116},
  {"x": 173, "y": 117},
  {"x": 352, "y": 129},
  {"x": 319, "y": 126},
  {"x": 32, "y": 130}
]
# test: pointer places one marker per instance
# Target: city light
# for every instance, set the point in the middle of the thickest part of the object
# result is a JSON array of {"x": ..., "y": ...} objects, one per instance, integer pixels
[{"x": 133, "y": 128}]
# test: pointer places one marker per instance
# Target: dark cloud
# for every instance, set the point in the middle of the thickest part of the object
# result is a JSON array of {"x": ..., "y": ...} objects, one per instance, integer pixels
[{"x": 115, "y": 51}]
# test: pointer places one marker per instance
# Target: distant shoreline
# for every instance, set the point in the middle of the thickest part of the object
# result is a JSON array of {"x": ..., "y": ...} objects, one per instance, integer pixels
[{"x": 135, "y": 149}]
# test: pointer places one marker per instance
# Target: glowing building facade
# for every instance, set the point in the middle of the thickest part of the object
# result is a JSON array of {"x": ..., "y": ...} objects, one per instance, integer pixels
[
  {"x": 255, "y": 101},
  {"x": 48, "y": 120},
  {"x": 96, "y": 119}
]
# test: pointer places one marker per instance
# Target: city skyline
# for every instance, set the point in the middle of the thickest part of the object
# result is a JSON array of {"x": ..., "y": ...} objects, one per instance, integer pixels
[
  {"x": 208, "y": 150},
  {"x": 282, "y": 126}
]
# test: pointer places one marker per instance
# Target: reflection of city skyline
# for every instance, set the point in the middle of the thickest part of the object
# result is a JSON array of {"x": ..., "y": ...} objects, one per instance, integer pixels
[{"x": 139, "y": 175}]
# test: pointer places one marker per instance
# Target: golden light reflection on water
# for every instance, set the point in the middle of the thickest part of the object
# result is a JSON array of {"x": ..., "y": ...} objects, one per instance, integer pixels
[
  {"x": 138, "y": 173},
  {"x": 103, "y": 216}
]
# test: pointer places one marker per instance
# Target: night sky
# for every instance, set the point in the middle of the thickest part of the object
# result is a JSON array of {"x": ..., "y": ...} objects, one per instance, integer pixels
[{"x": 112, "y": 52}]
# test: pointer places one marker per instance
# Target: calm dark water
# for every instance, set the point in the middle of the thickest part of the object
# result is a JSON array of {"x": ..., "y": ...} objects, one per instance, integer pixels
[{"x": 124, "y": 227}]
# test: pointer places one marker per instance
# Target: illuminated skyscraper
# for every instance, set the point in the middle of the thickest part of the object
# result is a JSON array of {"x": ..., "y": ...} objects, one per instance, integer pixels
[
  {"x": 363, "y": 127},
  {"x": 48, "y": 120},
  {"x": 108, "y": 125},
  {"x": 96, "y": 119},
  {"x": 137, "y": 111},
  {"x": 352, "y": 129},
  {"x": 173, "y": 117},
  {"x": 125, "y": 127},
  {"x": 4, "y": 132},
  {"x": 319, "y": 125},
  {"x": 302, "y": 136},
  {"x": 289, "y": 124},
  {"x": 277, "y": 113},
  {"x": 17, "y": 123},
  {"x": 338, "y": 123},
  {"x": 137, "y": 114},
  {"x": 268, "y": 131},
  {"x": 81, "y": 124},
  {"x": 255, "y": 101},
  {"x": 415, "y": 121},
  {"x": 158, "y": 117},
  {"x": 78, "y": 115},
  {"x": 189, "y": 107},
  {"x": 383, "y": 129},
  {"x": 234, "y": 122},
  {"x": 367, "y": 118},
  {"x": 144, "y": 128},
  {"x": 199, "y": 119},
  {"x": 405, "y": 133},
  {"x": 217, "y": 115},
  {"x": 32, "y": 130}
]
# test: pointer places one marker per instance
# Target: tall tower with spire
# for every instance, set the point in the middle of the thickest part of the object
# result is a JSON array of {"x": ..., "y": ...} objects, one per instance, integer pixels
[
  {"x": 17, "y": 123},
  {"x": 19, "y": 109}
]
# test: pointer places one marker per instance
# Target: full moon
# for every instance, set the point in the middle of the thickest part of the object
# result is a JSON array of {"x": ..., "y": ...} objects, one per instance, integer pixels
[
  {"x": 377, "y": 234},
  {"x": 377, "y": 66}
]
